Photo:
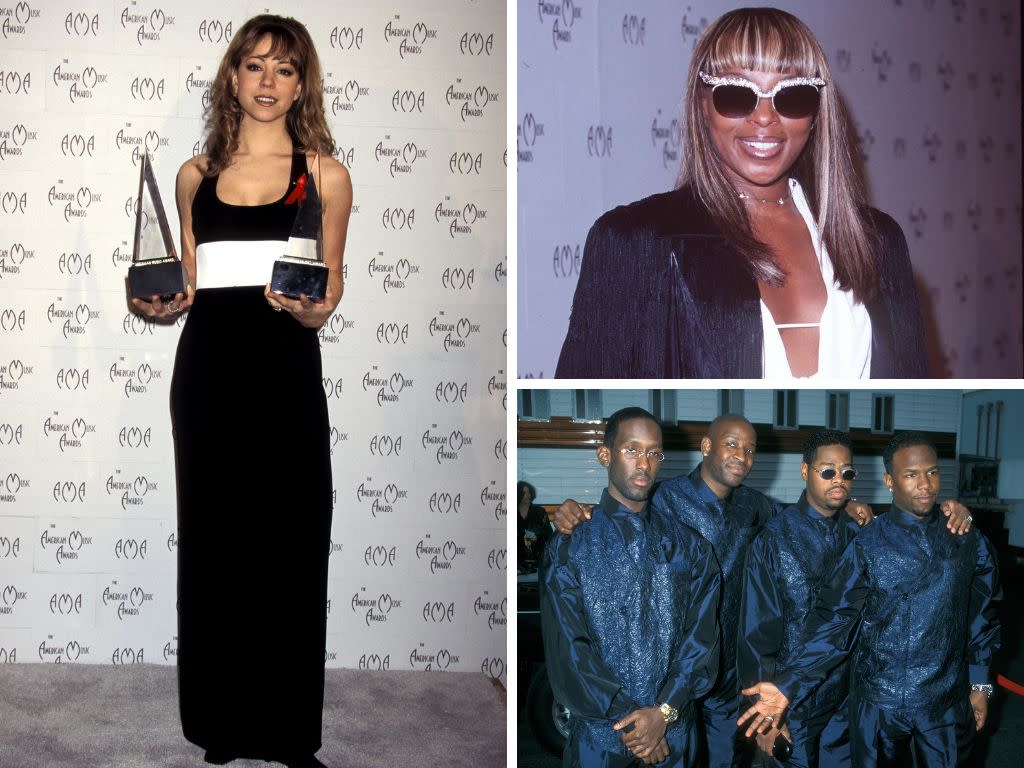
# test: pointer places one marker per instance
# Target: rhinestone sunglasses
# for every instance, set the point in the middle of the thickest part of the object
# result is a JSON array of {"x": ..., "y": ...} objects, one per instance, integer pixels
[{"x": 793, "y": 98}]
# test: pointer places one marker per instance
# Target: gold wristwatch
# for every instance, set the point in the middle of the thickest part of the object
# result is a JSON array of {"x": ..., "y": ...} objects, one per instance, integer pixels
[{"x": 671, "y": 713}]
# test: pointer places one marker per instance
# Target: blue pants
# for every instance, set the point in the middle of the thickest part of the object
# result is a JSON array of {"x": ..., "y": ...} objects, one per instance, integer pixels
[
  {"x": 888, "y": 739},
  {"x": 589, "y": 747},
  {"x": 724, "y": 742},
  {"x": 820, "y": 741}
]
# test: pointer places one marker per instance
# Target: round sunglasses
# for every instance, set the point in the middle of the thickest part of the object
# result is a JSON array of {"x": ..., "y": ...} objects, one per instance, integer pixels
[
  {"x": 829, "y": 473},
  {"x": 793, "y": 98}
]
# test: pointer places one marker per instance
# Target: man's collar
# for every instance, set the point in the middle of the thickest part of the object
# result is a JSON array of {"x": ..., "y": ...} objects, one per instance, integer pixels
[
  {"x": 813, "y": 513},
  {"x": 704, "y": 489},
  {"x": 907, "y": 519},
  {"x": 616, "y": 508}
]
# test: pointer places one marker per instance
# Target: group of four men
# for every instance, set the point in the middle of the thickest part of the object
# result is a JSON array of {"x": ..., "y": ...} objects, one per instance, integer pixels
[{"x": 857, "y": 643}]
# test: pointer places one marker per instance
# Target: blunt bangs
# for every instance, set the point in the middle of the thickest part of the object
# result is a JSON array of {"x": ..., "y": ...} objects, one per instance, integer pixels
[{"x": 764, "y": 42}]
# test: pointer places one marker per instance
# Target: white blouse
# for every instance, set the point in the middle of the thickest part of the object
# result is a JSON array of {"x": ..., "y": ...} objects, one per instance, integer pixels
[{"x": 844, "y": 334}]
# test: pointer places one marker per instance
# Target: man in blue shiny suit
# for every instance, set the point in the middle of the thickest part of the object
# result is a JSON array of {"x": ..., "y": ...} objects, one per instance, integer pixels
[
  {"x": 786, "y": 566},
  {"x": 628, "y": 613},
  {"x": 713, "y": 500},
  {"x": 916, "y": 607}
]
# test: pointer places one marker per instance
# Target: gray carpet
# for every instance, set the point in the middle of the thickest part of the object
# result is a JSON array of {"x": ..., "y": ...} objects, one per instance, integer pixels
[{"x": 84, "y": 716}]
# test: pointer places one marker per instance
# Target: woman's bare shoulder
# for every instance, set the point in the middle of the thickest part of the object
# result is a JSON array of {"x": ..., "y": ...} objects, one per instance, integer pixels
[
  {"x": 334, "y": 176},
  {"x": 191, "y": 172},
  {"x": 327, "y": 165}
]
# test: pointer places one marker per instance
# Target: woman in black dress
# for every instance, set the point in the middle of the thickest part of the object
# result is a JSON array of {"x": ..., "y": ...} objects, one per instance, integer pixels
[{"x": 248, "y": 408}]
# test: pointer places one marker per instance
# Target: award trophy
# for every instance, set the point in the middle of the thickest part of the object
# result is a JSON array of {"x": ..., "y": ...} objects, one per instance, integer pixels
[
  {"x": 301, "y": 270},
  {"x": 156, "y": 269}
]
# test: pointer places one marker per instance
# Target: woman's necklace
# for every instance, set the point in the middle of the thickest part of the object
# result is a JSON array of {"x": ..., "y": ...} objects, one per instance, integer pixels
[{"x": 780, "y": 201}]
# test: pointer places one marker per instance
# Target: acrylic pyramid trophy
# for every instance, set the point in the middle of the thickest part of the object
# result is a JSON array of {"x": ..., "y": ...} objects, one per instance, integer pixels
[
  {"x": 301, "y": 270},
  {"x": 156, "y": 269}
]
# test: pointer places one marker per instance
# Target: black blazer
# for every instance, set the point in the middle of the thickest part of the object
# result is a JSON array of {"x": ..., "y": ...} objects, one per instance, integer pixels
[{"x": 662, "y": 295}]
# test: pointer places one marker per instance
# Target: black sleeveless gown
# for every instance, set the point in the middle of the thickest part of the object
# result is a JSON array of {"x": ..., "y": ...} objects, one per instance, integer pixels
[{"x": 252, "y": 448}]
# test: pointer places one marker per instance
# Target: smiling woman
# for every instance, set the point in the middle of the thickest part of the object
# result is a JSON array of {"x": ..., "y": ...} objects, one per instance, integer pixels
[
  {"x": 766, "y": 261},
  {"x": 268, "y": 148}
]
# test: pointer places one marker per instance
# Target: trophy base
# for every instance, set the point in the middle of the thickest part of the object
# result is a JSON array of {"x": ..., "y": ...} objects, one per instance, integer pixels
[
  {"x": 293, "y": 277},
  {"x": 162, "y": 278}
]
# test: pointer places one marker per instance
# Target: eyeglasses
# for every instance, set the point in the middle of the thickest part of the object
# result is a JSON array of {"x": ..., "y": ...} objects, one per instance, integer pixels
[
  {"x": 793, "y": 98},
  {"x": 634, "y": 454},
  {"x": 829, "y": 473}
]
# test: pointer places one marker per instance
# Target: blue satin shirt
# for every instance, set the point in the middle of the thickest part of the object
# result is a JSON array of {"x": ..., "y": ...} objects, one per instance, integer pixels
[
  {"x": 730, "y": 525},
  {"x": 916, "y": 606},
  {"x": 628, "y": 613},
  {"x": 787, "y": 566}
]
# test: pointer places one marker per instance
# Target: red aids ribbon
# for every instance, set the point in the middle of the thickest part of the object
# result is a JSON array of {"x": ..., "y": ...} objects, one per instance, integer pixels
[
  {"x": 299, "y": 193},
  {"x": 1010, "y": 685}
]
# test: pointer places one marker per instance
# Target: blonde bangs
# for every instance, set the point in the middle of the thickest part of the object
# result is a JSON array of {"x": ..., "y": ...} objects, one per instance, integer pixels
[{"x": 764, "y": 43}]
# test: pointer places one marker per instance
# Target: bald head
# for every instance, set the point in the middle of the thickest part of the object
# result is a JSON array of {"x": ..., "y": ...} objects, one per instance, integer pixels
[
  {"x": 729, "y": 448},
  {"x": 727, "y": 420}
]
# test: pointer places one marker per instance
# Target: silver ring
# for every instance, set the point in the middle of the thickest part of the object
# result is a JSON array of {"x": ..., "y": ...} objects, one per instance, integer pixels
[
  {"x": 769, "y": 718},
  {"x": 173, "y": 309},
  {"x": 277, "y": 309},
  {"x": 970, "y": 518}
]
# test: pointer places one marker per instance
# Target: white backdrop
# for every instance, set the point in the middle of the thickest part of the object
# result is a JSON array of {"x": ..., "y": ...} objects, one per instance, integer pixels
[
  {"x": 933, "y": 85},
  {"x": 414, "y": 356}
]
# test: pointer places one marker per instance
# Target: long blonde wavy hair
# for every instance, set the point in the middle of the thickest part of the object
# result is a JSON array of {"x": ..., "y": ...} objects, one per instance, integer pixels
[
  {"x": 306, "y": 122},
  {"x": 770, "y": 40}
]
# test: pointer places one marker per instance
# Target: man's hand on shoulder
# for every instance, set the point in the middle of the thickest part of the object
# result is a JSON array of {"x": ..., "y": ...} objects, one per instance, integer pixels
[
  {"x": 860, "y": 512},
  {"x": 570, "y": 514},
  {"x": 959, "y": 517}
]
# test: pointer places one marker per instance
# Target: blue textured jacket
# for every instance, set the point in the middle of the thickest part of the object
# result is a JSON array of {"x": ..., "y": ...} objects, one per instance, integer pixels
[
  {"x": 687, "y": 305},
  {"x": 923, "y": 602},
  {"x": 787, "y": 566},
  {"x": 730, "y": 525},
  {"x": 628, "y": 616}
]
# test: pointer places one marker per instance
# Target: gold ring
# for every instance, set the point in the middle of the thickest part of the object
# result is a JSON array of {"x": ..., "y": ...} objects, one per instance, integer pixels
[{"x": 769, "y": 718}]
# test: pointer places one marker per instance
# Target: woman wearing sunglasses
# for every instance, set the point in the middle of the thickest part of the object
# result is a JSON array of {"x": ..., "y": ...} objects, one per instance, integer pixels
[{"x": 766, "y": 261}]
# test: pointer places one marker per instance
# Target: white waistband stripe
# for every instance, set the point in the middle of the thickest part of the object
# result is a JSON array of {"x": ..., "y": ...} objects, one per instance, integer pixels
[{"x": 234, "y": 263}]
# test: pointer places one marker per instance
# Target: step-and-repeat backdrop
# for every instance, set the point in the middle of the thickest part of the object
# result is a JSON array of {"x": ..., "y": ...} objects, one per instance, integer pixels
[
  {"x": 934, "y": 89},
  {"x": 414, "y": 356}
]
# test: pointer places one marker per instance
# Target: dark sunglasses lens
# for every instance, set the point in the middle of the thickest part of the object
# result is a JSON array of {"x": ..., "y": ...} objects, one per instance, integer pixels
[
  {"x": 734, "y": 100},
  {"x": 827, "y": 474},
  {"x": 796, "y": 101},
  {"x": 849, "y": 474}
]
